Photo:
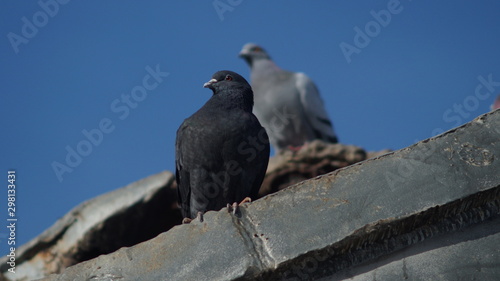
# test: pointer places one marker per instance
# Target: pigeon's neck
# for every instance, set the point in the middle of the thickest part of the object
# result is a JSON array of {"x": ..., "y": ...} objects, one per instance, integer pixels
[
  {"x": 234, "y": 99},
  {"x": 263, "y": 67}
]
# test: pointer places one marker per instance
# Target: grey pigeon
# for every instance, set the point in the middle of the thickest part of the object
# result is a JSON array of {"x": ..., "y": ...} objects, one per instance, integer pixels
[
  {"x": 287, "y": 103},
  {"x": 221, "y": 151}
]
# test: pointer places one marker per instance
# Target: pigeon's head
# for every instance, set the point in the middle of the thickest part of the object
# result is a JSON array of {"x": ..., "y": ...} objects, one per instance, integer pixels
[
  {"x": 251, "y": 52},
  {"x": 226, "y": 80}
]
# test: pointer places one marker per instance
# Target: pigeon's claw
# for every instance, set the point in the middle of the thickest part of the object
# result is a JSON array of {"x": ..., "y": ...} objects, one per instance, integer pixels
[
  {"x": 295, "y": 148},
  {"x": 233, "y": 208},
  {"x": 199, "y": 216},
  {"x": 246, "y": 200}
]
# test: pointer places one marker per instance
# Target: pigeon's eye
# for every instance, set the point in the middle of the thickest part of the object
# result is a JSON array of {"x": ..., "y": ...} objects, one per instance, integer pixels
[
  {"x": 229, "y": 78},
  {"x": 257, "y": 49}
]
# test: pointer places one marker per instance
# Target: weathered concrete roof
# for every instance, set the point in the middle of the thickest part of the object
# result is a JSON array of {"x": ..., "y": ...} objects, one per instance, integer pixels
[
  {"x": 101, "y": 224},
  {"x": 429, "y": 211}
]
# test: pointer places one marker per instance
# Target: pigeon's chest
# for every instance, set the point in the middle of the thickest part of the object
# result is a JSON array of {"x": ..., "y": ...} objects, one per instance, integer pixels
[
  {"x": 275, "y": 96},
  {"x": 277, "y": 86},
  {"x": 220, "y": 125}
]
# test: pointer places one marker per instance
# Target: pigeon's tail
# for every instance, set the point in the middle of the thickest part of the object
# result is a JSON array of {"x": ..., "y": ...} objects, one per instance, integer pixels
[
  {"x": 326, "y": 132},
  {"x": 333, "y": 139},
  {"x": 322, "y": 136}
]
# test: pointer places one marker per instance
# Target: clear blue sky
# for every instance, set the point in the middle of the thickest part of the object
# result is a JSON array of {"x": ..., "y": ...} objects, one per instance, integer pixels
[{"x": 73, "y": 67}]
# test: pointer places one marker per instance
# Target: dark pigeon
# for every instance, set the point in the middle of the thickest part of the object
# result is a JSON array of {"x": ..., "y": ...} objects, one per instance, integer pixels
[
  {"x": 287, "y": 104},
  {"x": 221, "y": 151}
]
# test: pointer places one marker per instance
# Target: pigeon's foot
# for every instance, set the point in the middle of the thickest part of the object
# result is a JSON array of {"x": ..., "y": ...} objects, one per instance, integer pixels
[
  {"x": 199, "y": 216},
  {"x": 233, "y": 208},
  {"x": 295, "y": 148},
  {"x": 246, "y": 200}
]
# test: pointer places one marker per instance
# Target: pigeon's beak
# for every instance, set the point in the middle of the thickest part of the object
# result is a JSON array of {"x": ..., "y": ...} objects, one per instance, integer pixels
[
  {"x": 209, "y": 83},
  {"x": 243, "y": 53}
]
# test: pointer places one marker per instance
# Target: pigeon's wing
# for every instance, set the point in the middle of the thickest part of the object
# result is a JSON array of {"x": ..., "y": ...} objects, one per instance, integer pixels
[
  {"x": 254, "y": 157},
  {"x": 245, "y": 154},
  {"x": 199, "y": 167},
  {"x": 181, "y": 173},
  {"x": 259, "y": 167},
  {"x": 314, "y": 108}
]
